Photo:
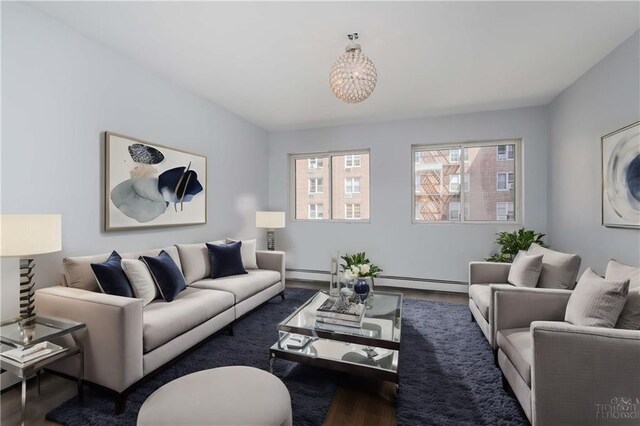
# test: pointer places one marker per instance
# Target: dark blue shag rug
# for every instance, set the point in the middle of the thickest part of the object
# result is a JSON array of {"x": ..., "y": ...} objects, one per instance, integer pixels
[{"x": 447, "y": 375}]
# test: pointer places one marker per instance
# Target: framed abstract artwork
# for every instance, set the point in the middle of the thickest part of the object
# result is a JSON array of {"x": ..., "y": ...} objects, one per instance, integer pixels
[
  {"x": 149, "y": 185},
  {"x": 621, "y": 178}
]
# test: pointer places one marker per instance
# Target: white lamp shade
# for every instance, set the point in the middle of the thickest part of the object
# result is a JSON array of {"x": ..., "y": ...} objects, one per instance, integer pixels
[
  {"x": 28, "y": 235},
  {"x": 270, "y": 220}
]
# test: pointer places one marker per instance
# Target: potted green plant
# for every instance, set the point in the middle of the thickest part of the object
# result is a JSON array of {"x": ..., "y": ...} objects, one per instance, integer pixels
[{"x": 512, "y": 242}]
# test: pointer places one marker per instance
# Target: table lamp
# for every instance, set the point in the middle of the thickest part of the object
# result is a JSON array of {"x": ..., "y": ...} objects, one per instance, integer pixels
[
  {"x": 23, "y": 236},
  {"x": 271, "y": 221}
]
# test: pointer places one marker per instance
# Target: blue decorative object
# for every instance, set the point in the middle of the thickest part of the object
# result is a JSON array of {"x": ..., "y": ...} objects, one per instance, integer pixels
[
  {"x": 226, "y": 259},
  {"x": 166, "y": 275},
  {"x": 179, "y": 185},
  {"x": 111, "y": 278},
  {"x": 361, "y": 287}
]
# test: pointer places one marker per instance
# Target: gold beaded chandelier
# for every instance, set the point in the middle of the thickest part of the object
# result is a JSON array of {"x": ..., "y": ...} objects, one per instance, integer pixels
[{"x": 353, "y": 76}]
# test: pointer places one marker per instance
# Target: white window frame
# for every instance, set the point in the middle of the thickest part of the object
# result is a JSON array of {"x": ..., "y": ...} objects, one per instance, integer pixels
[
  {"x": 454, "y": 187},
  {"x": 316, "y": 163},
  {"x": 350, "y": 181},
  {"x": 327, "y": 183},
  {"x": 353, "y": 215},
  {"x": 518, "y": 188},
  {"x": 466, "y": 182},
  {"x": 452, "y": 204},
  {"x": 455, "y": 158},
  {"x": 508, "y": 207},
  {"x": 508, "y": 181},
  {"x": 321, "y": 185},
  {"x": 352, "y": 161},
  {"x": 509, "y": 152},
  {"x": 315, "y": 215}
]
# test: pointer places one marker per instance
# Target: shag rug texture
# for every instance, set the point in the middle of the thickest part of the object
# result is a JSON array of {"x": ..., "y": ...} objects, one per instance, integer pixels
[{"x": 447, "y": 374}]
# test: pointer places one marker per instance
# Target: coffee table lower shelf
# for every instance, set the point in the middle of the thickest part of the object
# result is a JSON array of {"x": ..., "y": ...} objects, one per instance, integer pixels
[{"x": 358, "y": 364}]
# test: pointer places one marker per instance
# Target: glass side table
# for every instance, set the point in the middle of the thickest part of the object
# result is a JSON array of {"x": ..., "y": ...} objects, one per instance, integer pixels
[{"x": 46, "y": 328}]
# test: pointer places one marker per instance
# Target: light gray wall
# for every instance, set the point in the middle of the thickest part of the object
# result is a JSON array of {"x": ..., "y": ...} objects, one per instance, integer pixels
[
  {"x": 61, "y": 91},
  {"x": 604, "y": 99},
  {"x": 432, "y": 251}
]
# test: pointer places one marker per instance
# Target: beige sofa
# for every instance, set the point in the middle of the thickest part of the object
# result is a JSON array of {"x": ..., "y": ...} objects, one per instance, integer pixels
[
  {"x": 563, "y": 374},
  {"x": 125, "y": 341},
  {"x": 559, "y": 273}
]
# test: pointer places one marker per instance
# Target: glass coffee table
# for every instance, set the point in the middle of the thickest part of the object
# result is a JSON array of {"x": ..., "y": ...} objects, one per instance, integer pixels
[{"x": 372, "y": 350}]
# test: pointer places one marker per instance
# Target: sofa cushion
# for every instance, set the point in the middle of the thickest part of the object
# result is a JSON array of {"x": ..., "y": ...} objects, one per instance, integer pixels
[
  {"x": 111, "y": 278},
  {"x": 481, "y": 295},
  {"x": 195, "y": 260},
  {"x": 78, "y": 273},
  {"x": 516, "y": 343},
  {"x": 559, "y": 270},
  {"x": 629, "y": 318},
  {"x": 163, "y": 321},
  {"x": 226, "y": 259},
  {"x": 596, "y": 302},
  {"x": 141, "y": 280},
  {"x": 525, "y": 270},
  {"x": 242, "y": 286},
  {"x": 248, "y": 252},
  {"x": 166, "y": 274}
]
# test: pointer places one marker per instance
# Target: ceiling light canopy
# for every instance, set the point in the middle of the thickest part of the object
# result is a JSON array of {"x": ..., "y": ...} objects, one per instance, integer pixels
[{"x": 353, "y": 76}]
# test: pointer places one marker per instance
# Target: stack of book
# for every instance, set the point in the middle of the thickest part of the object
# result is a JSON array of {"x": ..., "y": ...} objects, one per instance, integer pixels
[
  {"x": 33, "y": 353},
  {"x": 334, "y": 314}
]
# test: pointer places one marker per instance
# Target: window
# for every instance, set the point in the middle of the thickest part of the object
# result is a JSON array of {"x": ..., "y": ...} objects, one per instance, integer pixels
[
  {"x": 324, "y": 180},
  {"x": 454, "y": 210},
  {"x": 352, "y": 211},
  {"x": 316, "y": 211},
  {"x": 352, "y": 161},
  {"x": 454, "y": 182},
  {"x": 352, "y": 185},
  {"x": 315, "y": 163},
  {"x": 504, "y": 211},
  {"x": 506, "y": 152},
  {"x": 504, "y": 181},
  {"x": 315, "y": 186},
  {"x": 443, "y": 177}
]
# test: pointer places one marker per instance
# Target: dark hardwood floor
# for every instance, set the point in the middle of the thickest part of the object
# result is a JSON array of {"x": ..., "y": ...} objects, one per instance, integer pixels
[{"x": 357, "y": 401}]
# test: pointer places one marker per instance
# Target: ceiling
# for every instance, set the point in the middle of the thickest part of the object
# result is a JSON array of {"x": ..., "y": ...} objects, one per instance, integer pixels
[{"x": 269, "y": 61}]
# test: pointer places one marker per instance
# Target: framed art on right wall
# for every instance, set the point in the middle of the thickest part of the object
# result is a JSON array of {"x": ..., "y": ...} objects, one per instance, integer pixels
[{"x": 621, "y": 178}]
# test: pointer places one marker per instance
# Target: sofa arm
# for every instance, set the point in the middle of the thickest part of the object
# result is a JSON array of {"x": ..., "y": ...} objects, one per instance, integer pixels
[
  {"x": 272, "y": 260},
  {"x": 112, "y": 341},
  {"x": 584, "y": 375},
  {"x": 488, "y": 272},
  {"x": 519, "y": 306}
]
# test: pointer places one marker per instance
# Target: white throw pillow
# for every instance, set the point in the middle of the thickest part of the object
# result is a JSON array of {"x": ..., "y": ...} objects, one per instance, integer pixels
[
  {"x": 525, "y": 270},
  {"x": 141, "y": 280},
  {"x": 248, "y": 253},
  {"x": 630, "y": 316}
]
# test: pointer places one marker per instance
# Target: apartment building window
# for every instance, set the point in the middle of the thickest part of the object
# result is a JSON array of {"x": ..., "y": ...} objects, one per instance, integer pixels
[
  {"x": 316, "y": 211},
  {"x": 506, "y": 152},
  {"x": 330, "y": 181},
  {"x": 505, "y": 181},
  {"x": 315, "y": 163},
  {"x": 443, "y": 177},
  {"x": 352, "y": 211},
  {"x": 315, "y": 186},
  {"x": 352, "y": 185},
  {"x": 504, "y": 211},
  {"x": 352, "y": 160}
]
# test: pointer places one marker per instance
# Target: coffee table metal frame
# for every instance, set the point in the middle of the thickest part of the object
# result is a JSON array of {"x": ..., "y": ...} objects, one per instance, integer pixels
[
  {"x": 279, "y": 350},
  {"x": 47, "y": 328}
]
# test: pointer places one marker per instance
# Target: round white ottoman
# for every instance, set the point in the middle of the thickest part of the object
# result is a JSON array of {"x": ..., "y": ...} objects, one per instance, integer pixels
[{"x": 220, "y": 396}]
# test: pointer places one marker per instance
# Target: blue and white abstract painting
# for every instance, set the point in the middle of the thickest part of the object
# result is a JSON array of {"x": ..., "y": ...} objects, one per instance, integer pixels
[
  {"x": 621, "y": 178},
  {"x": 151, "y": 185}
]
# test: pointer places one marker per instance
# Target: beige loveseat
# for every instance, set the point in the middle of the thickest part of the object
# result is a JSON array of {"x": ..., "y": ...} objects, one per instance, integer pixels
[{"x": 125, "y": 341}]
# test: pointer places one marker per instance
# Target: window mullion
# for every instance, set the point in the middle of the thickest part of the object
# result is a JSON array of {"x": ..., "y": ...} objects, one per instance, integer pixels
[
  {"x": 330, "y": 206},
  {"x": 462, "y": 181}
]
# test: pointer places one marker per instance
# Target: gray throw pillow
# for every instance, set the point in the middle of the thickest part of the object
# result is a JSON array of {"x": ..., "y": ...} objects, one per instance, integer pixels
[
  {"x": 630, "y": 316},
  {"x": 559, "y": 270},
  {"x": 525, "y": 270},
  {"x": 596, "y": 302}
]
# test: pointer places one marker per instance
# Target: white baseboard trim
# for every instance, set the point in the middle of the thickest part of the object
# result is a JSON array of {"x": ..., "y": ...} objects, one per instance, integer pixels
[{"x": 402, "y": 282}]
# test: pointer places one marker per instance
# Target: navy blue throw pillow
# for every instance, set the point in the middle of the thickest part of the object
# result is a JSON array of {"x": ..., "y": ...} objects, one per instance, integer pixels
[
  {"x": 166, "y": 275},
  {"x": 111, "y": 278},
  {"x": 226, "y": 259}
]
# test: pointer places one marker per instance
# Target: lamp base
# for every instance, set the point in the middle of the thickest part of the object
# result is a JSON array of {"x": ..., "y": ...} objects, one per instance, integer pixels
[
  {"x": 27, "y": 301},
  {"x": 271, "y": 240}
]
